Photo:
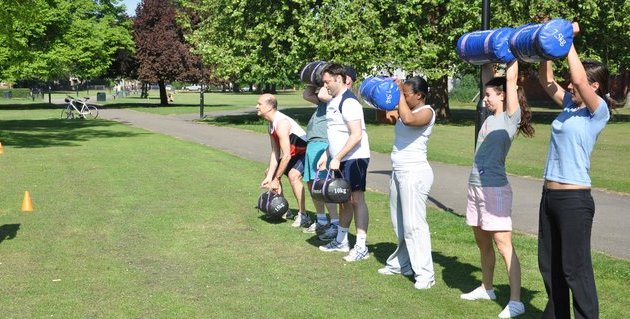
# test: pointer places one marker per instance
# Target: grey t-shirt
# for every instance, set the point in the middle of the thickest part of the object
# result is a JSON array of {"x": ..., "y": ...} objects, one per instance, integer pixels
[
  {"x": 316, "y": 130},
  {"x": 493, "y": 143}
]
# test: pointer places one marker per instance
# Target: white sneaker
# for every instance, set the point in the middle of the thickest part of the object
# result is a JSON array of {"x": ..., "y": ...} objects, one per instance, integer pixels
[
  {"x": 357, "y": 253},
  {"x": 424, "y": 284},
  {"x": 513, "y": 309},
  {"x": 335, "y": 246},
  {"x": 479, "y": 294},
  {"x": 315, "y": 228},
  {"x": 386, "y": 271}
]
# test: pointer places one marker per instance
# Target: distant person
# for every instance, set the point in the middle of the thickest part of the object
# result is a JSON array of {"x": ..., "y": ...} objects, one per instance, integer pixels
[
  {"x": 566, "y": 206},
  {"x": 288, "y": 145},
  {"x": 489, "y": 209},
  {"x": 410, "y": 183},
  {"x": 349, "y": 152}
]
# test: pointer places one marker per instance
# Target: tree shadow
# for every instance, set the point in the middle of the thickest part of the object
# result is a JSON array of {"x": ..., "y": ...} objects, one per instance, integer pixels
[
  {"x": 56, "y": 132},
  {"x": 29, "y": 106},
  {"x": 8, "y": 231},
  {"x": 459, "y": 276}
]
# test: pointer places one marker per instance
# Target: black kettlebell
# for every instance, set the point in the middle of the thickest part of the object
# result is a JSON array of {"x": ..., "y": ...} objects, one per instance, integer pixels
[
  {"x": 335, "y": 189},
  {"x": 272, "y": 204}
]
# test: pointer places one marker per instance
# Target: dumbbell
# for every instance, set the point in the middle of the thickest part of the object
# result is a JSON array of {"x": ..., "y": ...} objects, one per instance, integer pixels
[{"x": 380, "y": 92}]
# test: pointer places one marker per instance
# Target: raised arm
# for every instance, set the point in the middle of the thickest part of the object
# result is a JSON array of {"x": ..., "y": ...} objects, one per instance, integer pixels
[
  {"x": 545, "y": 77},
  {"x": 408, "y": 117},
  {"x": 310, "y": 94},
  {"x": 511, "y": 95},
  {"x": 580, "y": 82}
]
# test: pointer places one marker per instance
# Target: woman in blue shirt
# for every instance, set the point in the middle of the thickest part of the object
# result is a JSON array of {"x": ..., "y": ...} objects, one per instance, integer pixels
[{"x": 566, "y": 206}]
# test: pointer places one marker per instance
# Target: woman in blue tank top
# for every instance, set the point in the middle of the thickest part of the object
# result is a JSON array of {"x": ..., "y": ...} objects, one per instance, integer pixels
[{"x": 566, "y": 206}]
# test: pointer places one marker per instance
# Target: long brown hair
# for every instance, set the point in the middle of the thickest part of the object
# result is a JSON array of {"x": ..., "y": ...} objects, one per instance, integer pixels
[{"x": 524, "y": 126}]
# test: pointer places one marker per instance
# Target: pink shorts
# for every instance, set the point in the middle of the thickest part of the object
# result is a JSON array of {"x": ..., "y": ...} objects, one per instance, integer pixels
[{"x": 490, "y": 207}]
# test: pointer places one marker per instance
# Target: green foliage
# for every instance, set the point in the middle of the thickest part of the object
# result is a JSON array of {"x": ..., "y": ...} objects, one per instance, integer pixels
[{"x": 48, "y": 40}]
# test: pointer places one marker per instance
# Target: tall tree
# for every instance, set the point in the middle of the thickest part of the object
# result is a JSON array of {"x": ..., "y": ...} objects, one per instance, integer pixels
[
  {"x": 161, "y": 50},
  {"x": 48, "y": 40},
  {"x": 249, "y": 41}
]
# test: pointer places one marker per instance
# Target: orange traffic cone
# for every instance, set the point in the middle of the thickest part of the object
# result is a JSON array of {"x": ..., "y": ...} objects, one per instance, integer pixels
[
  {"x": 27, "y": 204},
  {"x": 1, "y": 149}
]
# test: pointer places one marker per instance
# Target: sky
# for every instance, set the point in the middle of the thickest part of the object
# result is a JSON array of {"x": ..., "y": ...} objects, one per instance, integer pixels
[{"x": 131, "y": 6}]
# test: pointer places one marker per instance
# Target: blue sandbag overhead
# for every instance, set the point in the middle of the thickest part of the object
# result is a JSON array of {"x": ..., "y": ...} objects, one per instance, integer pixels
[
  {"x": 539, "y": 42},
  {"x": 487, "y": 46},
  {"x": 380, "y": 92}
]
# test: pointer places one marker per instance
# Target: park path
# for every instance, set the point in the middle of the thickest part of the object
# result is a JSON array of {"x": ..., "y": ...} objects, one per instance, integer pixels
[{"x": 611, "y": 227}]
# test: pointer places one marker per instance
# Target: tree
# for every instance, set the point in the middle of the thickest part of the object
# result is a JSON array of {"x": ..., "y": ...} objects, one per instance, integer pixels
[
  {"x": 161, "y": 50},
  {"x": 249, "y": 41},
  {"x": 48, "y": 40}
]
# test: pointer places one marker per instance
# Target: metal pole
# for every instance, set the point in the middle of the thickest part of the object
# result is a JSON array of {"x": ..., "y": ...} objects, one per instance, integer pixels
[
  {"x": 201, "y": 100},
  {"x": 481, "y": 113}
]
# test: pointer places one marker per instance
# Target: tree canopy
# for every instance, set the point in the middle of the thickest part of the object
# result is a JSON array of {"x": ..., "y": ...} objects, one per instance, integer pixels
[
  {"x": 161, "y": 50},
  {"x": 48, "y": 40}
]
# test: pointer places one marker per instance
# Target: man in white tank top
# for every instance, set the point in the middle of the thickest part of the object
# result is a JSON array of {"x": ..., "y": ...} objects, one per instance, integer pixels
[{"x": 288, "y": 144}]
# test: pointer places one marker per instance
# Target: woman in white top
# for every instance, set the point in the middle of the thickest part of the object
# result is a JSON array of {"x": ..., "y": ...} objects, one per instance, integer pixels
[{"x": 409, "y": 185}]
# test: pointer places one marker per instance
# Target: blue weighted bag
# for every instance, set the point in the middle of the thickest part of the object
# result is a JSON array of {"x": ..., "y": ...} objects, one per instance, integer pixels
[
  {"x": 488, "y": 46},
  {"x": 546, "y": 41},
  {"x": 380, "y": 92}
]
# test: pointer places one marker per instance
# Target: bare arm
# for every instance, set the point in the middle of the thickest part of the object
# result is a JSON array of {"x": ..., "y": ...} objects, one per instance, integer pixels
[
  {"x": 273, "y": 163},
  {"x": 511, "y": 94},
  {"x": 545, "y": 77},
  {"x": 408, "y": 117},
  {"x": 310, "y": 94},
  {"x": 283, "y": 130},
  {"x": 580, "y": 81}
]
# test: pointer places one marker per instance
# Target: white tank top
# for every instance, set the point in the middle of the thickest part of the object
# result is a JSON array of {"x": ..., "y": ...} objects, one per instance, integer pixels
[{"x": 410, "y": 144}]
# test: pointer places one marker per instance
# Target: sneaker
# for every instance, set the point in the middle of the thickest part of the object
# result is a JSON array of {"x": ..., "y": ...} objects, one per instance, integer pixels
[
  {"x": 424, "y": 284},
  {"x": 301, "y": 220},
  {"x": 335, "y": 246},
  {"x": 479, "y": 294},
  {"x": 315, "y": 228},
  {"x": 386, "y": 271},
  {"x": 513, "y": 309},
  {"x": 357, "y": 253},
  {"x": 288, "y": 215},
  {"x": 329, "y": 233}
]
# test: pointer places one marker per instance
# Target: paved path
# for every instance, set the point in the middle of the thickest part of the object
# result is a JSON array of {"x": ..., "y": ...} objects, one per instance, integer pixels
[{"x": 611, "y": 228}]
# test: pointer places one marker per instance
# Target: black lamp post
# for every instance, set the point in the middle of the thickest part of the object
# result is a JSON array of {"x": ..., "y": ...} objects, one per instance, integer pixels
[{"x": 481, "y": 113}]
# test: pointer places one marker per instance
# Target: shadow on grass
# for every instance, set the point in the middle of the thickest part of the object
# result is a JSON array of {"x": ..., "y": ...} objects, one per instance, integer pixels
[
  {"x": 458, "y": 275},
  {"x": 30, "y": 106},
  {"x": 54, "y": 132},
  {"x": 8, "y": 231}
]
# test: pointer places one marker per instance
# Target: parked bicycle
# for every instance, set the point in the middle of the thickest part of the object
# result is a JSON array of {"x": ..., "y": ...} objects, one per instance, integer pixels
[{"x": 79, "y": 108}]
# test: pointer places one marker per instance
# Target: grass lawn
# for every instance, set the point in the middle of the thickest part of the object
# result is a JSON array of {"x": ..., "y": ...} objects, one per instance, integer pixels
[{"x": 133, "y": 224}]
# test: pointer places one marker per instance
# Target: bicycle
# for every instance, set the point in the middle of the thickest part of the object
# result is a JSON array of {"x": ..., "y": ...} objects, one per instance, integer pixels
[{"x": 72, "y": 110}]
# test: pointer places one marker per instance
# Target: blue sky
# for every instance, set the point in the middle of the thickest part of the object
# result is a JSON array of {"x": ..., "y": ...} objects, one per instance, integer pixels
[{"x": 131, "y": 6}]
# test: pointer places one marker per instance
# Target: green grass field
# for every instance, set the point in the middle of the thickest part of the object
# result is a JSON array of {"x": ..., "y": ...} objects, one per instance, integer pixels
[{"x": 132, "y": 224}]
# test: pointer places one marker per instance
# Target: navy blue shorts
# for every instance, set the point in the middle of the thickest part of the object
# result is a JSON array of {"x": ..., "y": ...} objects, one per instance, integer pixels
[
  {"x": 355, "y": 172},
  {"x": 296, "y": 162}
]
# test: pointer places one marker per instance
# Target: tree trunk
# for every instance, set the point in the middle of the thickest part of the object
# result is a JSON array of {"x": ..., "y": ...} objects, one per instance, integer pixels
[
  {"x": 438, "y": 97},
  {"x": 236, "y": 88},
  {"x": 163, "y": 96},
  {"x": 144, "y": 91}
]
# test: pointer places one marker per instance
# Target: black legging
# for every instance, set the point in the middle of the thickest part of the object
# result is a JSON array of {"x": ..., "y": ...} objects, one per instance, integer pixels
[{"x": 564, "y": 253}]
